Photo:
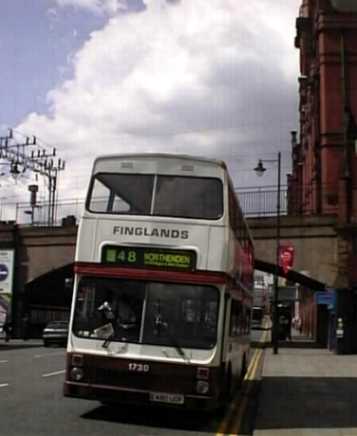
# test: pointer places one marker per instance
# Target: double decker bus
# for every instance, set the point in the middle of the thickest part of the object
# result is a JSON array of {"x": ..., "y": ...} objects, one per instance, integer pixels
[{"x": 163, "y": 284}]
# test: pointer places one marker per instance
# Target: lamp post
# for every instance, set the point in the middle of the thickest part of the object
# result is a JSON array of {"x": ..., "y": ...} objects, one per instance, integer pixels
[{"x": 260, "y": 171}]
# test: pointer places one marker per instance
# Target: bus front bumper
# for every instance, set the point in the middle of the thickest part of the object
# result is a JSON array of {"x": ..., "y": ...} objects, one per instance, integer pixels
[{"x": 114, "y": 394}]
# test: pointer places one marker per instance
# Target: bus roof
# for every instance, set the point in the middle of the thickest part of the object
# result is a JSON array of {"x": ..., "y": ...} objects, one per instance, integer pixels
[{"x": 169, "y": 156}]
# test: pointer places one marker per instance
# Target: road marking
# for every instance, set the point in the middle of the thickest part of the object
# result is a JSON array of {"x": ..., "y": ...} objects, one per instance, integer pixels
[
  {"x": 250, "y": 368},
  {"x": 3, "y": 361},
  {"x": 236, "y": 424},
  {"x": 238, "y": 421},
  {"x": 50, "y": 374},
  {"x": 4, "y": 385},
  {"x": 240, "y": 406},
  {"x": 38, "y": 356},
  {"x": 234, "y": 407},
  {"x": 249, "y": 376}
]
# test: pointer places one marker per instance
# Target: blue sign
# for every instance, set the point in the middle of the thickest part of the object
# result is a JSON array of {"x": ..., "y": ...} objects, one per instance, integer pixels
[
  {"x": 326, "y": 298},
  {"x": 4, "y": 272}
]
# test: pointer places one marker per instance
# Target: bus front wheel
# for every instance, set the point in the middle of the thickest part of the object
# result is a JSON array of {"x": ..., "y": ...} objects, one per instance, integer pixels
[
  {"x": 243, "y": 370},
  {"x": 228, "y": 388}
]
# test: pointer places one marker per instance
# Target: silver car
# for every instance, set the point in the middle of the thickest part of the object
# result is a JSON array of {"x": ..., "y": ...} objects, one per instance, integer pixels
[{"x": 55, "y": 332}]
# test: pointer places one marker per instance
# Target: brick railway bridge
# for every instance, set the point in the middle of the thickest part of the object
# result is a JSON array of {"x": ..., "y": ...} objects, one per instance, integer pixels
[{"x": 44, "y": 258}]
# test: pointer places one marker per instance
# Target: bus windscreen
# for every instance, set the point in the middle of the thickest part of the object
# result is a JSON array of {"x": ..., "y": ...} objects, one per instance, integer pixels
[
  {"x": 153, "y": 313},
  {"x": 141, "y": 194}
]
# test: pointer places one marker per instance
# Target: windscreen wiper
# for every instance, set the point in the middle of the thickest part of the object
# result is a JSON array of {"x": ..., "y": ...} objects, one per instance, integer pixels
[
  {"x": 178, "y": 348},
  {"x": 108, "y": 340},
  {"x": 160, "y": 323}
]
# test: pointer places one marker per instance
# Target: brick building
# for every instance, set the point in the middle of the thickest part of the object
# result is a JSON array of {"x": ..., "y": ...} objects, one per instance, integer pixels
[{"x": 324, "y": 176}]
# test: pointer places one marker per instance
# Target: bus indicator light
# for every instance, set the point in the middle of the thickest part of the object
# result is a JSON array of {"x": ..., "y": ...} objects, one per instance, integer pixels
[
  {"x": 203, "y": 373},
  {"x": 77, "y": 359}
]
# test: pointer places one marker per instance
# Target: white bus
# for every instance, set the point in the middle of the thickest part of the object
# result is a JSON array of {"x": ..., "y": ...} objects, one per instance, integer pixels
[{"x": 163, "y": 284}]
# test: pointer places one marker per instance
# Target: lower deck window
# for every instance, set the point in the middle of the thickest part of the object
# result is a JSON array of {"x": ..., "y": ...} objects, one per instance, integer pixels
[{"x": 169, "y": 314}]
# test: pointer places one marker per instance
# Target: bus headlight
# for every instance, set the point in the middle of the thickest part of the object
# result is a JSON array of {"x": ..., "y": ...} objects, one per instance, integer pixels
[
  {"x": 202, "y": 387},
  {"x": 76, "y": 373}
]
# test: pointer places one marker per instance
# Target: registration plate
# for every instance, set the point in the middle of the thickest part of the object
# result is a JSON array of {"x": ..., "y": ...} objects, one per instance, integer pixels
[{"x": 162, "y": 397}]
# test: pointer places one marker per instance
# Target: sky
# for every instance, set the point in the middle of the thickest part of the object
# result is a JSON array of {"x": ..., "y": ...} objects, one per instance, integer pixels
[{"x": 90, "y": 77}]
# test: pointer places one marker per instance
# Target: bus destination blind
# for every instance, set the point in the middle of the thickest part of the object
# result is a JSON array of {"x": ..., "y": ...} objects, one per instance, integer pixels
[{"x": 147, "y": 257}]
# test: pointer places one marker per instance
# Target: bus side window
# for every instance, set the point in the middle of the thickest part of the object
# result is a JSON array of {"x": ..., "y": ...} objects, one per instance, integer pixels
[
  {"x": 232, "y": 214},
  {"x": 247, "y": 320},
  {"x": 235, "y": 214},
  {"x": 236, "y": 319}
]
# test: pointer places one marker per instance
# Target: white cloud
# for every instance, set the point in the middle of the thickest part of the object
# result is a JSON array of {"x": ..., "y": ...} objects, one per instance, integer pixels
[{"x": 204, "y": 77}]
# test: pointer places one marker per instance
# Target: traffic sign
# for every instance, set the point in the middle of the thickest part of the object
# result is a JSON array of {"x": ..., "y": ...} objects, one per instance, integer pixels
[{"x": 4, "y": 272}]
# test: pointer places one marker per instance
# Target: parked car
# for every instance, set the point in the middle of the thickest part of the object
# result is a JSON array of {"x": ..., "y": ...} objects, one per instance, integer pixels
[{"x": 55, "y": 332}]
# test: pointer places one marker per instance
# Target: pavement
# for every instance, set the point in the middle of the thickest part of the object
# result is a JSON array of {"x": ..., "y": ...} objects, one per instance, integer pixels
[
  {"x": 15, "y": 344},
  {"x": 307, "y": 391}
]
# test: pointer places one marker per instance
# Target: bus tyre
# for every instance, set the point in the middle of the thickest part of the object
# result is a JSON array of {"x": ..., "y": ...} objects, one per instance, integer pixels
[
  {"x": 226, "y": 391},
  {"x": 228, "y": 385},
  {"x": 106, "y": 403},
  {"x": 243, "y": 370}
]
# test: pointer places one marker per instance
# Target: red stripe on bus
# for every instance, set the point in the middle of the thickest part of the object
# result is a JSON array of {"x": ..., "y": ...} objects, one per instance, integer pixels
[{"x": 141, "y": 274}]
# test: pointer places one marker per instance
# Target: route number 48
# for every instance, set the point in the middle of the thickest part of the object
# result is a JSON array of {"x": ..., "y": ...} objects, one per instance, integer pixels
[{"x": 127, "y": 256}]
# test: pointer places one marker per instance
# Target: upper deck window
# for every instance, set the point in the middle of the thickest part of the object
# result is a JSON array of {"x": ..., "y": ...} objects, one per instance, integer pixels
[
  {"x": 189, "y": 197},
  {"x": 121, "y": 193},
  {"x": 143, "y": 194}
]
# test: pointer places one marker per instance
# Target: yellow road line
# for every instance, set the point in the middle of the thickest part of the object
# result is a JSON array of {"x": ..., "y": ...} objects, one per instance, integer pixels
[
  {"x": 250, "y": 367},
  {"x": 239, "y": 417},
  {"x": 251, "y": 376},
  {"x": 241, "y": 406},
  {"x": 254, "y": 368},
  {"x": 228, "y": 416},
  {"x": 238, "y": 421},
  {"x": 234, "y": 403}
]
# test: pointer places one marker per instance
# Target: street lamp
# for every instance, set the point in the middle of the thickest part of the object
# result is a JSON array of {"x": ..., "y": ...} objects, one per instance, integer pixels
[{"x": 260, "y": 171}]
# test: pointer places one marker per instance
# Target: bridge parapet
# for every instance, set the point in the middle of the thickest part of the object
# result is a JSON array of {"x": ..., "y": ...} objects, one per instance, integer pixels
[{"x": 315, "y": 240}]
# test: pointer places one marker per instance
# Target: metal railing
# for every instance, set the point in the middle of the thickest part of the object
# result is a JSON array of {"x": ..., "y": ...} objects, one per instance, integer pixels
[
  {"x": 255, "y": 202},
  {"x": 23, "y": 213},
  {"x": 311, "y": 199}
]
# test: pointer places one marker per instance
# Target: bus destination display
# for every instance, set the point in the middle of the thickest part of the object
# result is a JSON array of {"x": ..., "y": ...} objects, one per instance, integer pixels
[{"x": 147, "y": 257}]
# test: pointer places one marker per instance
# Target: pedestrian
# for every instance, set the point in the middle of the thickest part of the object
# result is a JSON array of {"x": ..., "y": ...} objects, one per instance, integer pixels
[
  {"x": 299, "y": 325},
  {"x": 7, "y": 327},
  {"x": 25, "y": 327}
]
